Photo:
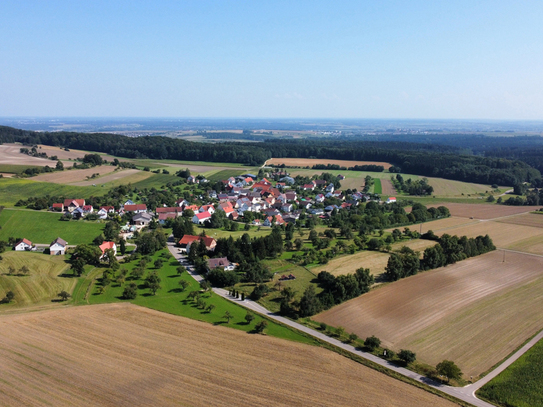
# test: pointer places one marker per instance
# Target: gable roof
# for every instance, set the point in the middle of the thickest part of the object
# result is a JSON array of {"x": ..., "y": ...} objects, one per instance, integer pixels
[
  {"x": 137, "y": 207},
  {"x": 106, "y": 246},
  {"x": 59, "y": 241},
  {"x": 187, "y": 239},
  {"x": 25, "y": 241},
  {"x": 76, "y": 202},
  {"x": 173, "y": 209},
  {"x": 218, "y": 262},
  {"x": 203, "y": 215},
  {"x": 58, "y": 205}
]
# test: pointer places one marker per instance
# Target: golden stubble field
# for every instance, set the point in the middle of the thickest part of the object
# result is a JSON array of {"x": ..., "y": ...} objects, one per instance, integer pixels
[
  {"x": 474, "y": 312},
  {"x": 124, "y": 355},
  {"x": 73, "y": 176}
]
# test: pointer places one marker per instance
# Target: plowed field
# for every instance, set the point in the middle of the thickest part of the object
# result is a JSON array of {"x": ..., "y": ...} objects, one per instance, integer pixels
[
  {"x": 124, "y": 355},
  {"x": 474, "y": 312}
]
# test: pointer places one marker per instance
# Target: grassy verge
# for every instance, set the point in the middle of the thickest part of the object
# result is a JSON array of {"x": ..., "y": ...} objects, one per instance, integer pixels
[
  {"x": 18, "y": 169},
  {"x": 44, "y": 227},
  {"x": 520, "y": 384}
]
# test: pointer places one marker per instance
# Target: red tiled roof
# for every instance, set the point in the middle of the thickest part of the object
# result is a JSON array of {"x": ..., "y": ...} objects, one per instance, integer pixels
[
  {"x": 203, "y": 215},
  {"x": 137, "y": 207},
  {"x": 173, "y": 209},
  {"x": 106, "y": 246},
  {"x": 58, "y": 205},
  {"x": 78, "y": 202},
  {"x": 26, "y": 241}
]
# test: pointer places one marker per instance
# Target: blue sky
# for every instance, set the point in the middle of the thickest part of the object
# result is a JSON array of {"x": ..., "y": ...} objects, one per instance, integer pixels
[{"x": 345, "y": 59}]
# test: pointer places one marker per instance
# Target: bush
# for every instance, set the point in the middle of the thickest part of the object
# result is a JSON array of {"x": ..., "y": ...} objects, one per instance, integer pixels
[
  {"x": 407, "y": 356},
  {"x": 259, "y": 292}
]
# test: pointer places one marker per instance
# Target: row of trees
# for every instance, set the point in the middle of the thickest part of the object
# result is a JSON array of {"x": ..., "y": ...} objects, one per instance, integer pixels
[{"x": 448, "y": 250}]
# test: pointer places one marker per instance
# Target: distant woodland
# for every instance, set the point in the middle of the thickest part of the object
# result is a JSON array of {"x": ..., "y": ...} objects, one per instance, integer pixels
[{"x": 507, "y": 166}]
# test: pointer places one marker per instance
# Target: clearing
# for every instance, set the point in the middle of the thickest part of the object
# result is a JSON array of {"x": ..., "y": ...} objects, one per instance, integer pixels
[
  {"x": 124, "y": 355},
  {"x": 73, "y": 176},
  {"x": 43, "y": 282},
  {"x": 474, "y": 312},
  {"x": 44, "y": 227},
  {"x": 304, "y": 162}
]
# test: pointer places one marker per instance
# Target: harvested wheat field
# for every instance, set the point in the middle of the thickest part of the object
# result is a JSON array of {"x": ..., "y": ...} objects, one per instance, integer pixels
[
  {"x": 10, "y": 154},
  {"x": 125, "y": 355},
  {"x": 72, "y": 176},
  {"x": 485, "y": 211},
  {"x": 474, "y": 312},
  {"x": 526, "y": 219},
  {"x": 133, "y": 175},
  {"x": 69, "y": 155},
  {"x": 304, "y": 162}
]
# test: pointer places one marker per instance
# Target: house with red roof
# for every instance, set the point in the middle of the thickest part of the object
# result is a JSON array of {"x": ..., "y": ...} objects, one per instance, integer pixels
[
  {"x": 187, "y": 240},
  {"x": 308, "y": 187},
  {"x": 201, "y": 217},
  {"x": 71, "y": 204},
  {"x": 391, "y": 199},
  {"x": 220, "y": 262},
  {"x": 108, "y": 208},
  {"x": 107, "y": 246},
  {"x": 58, "y": 207},
  {"x": 209, "y": 208},
  {"x": 269, "y": 221},
  {"x": 23, "y": 245},
  {"x": 137, "y": 208}
]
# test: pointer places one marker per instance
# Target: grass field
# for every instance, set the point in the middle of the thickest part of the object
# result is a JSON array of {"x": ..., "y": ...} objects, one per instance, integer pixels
[
  {"x": 124, "y": 355},
  {"x": 375, "y": 261},
  {"x": 13, "y": 189},
  {"x": 520, "y": 384},
  {"x": 169, "y": 299},
  {"x": 42, "y": 284},
  {"x": 474, "y": 312},
  {"x": 44, "y": 227},
  {"x": 282, "y": 267},
  {"x": 16, "y": 169},
  {"x": 219, "y": 233},
  {"x": 447, "y": 187},
  {"x": 377, "y": 188}
]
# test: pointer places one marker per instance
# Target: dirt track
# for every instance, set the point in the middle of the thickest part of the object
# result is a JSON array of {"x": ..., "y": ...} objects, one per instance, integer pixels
[{"x": 124, "y": 355}]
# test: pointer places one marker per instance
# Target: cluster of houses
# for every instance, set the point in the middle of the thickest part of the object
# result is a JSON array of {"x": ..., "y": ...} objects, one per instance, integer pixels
[
  {"x": 77, "y": 209},
  {"x": 58, "y": 247}
]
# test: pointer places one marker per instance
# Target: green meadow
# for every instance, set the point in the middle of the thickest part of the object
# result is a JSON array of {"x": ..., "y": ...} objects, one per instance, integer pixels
[{"x": 44, "y": 227}]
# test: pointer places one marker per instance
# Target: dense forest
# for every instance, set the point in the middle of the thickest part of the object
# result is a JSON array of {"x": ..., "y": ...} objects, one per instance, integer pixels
[{"x": 413, "y": 158}]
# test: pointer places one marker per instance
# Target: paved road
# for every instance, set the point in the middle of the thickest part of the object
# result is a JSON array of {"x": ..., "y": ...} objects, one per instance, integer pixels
[{"x": 466, "y": 393}]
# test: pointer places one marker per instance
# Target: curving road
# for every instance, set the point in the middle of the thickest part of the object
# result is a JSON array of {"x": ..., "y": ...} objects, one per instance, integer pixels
[{"x": 466, "y": 393}]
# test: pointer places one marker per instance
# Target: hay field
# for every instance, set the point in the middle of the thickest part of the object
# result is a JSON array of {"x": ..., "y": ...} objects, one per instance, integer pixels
[
  {"x": 474, "y": 312},
  {"x": 304, "y": 162},
  {"x": 484, "y": 211},
  {"x": 38, "y": 287},
  {"x": 117, "y": 178},
  {"x": 375, "y": 261},
  {"x": 124, "y": 355},
  {"x": 74, "y": 176}
]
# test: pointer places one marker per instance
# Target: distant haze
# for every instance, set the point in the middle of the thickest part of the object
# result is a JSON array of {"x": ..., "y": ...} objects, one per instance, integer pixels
[{"x": 283, "y": 59}]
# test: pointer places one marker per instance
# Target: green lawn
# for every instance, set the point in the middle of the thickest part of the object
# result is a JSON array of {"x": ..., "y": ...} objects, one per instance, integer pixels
[
  {"x": 14, "y": 189},
  {"x": 225, "y": 174},
  {"x": 171, "y": 300},
  {"x": 220, "y": 233},
  {"x": 520, "y": 384},
  {"x": 44, "y": 227},
  {"x": 377, "y": 188}
]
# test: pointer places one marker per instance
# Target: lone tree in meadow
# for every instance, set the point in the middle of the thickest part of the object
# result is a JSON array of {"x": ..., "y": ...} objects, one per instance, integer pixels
[
  {"x": 183, "y": 284},
  {"x": 181, "y": 270},
  {"x": 249, "y": 317},
  {"x": 449, "y": 369},
  {"x": 64, "y": 295},
  {"x": 228, "y": 316},
  {"x": 8, "y": 298},
  {"x": 130, "y": 291},
  {"x": 259, "y": 328}
]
